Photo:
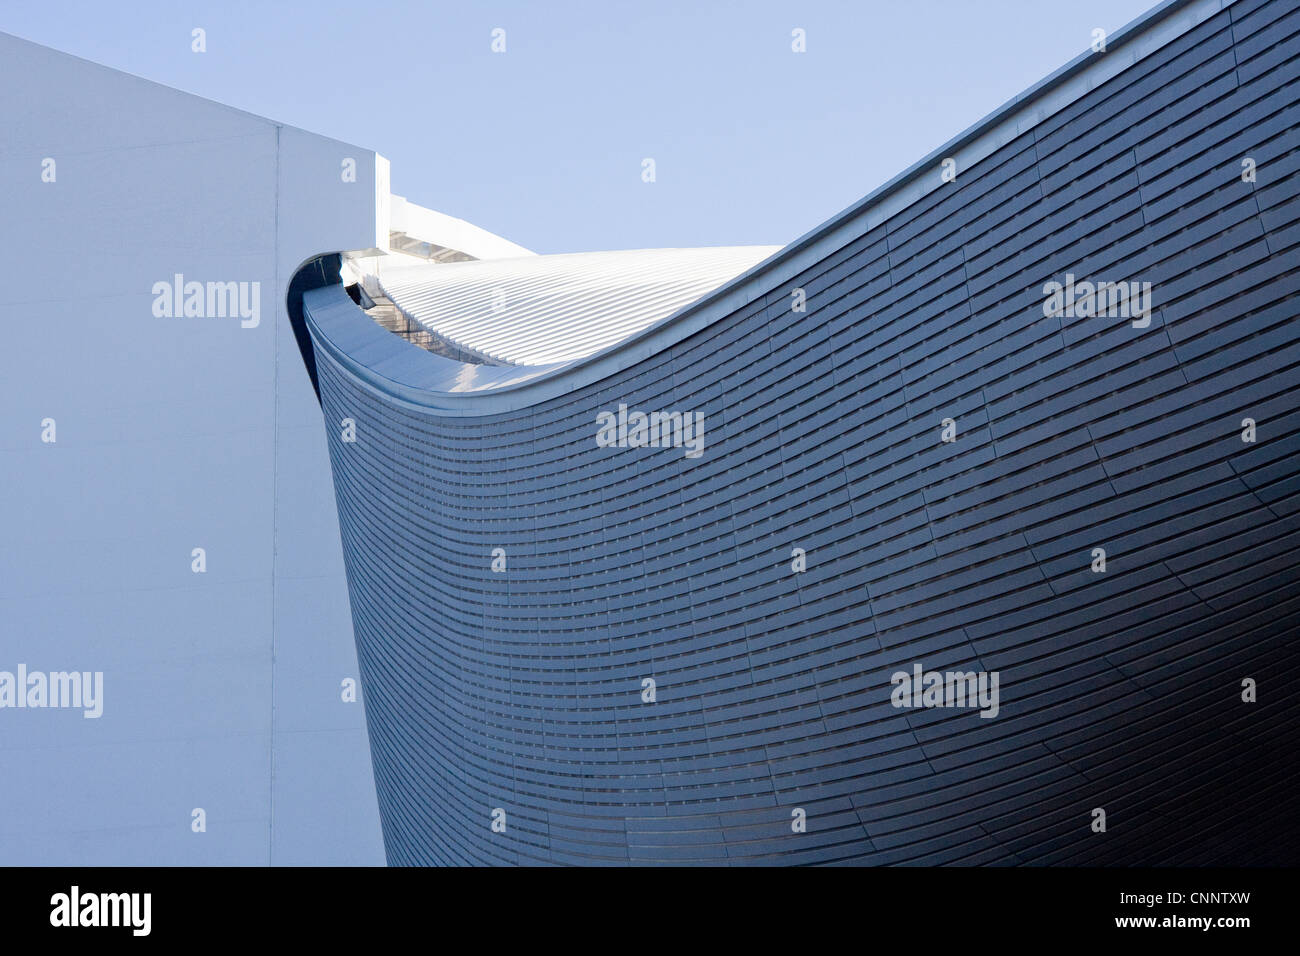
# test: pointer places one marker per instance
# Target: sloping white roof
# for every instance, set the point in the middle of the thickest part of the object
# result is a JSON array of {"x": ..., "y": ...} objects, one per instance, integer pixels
[{"x": 538, "y": 310}]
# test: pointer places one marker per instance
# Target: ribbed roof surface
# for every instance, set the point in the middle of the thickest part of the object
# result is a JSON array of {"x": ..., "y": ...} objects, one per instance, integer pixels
[{"x": 544, "y": 309}]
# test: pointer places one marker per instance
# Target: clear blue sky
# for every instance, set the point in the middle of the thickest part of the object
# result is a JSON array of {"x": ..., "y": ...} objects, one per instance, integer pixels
[{"x": 543, "y": 144}]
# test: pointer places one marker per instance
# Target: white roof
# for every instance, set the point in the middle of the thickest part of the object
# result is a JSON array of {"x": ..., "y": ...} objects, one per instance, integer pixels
[{"x": 537, "y": 310}]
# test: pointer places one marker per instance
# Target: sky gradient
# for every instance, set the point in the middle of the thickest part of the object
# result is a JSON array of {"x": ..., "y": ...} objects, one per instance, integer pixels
[{"x": 543, "y": 144}]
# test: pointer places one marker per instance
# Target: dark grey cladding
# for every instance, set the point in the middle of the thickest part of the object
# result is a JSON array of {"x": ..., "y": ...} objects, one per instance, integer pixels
[{"x": 1119, "y": 690}]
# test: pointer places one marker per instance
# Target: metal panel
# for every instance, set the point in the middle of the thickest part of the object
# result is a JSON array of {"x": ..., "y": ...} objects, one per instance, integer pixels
[{"x": 521, "y": 690}]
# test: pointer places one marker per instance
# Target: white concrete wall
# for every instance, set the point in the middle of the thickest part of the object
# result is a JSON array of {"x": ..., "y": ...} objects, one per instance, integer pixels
[{"x": 221, "y": 689}]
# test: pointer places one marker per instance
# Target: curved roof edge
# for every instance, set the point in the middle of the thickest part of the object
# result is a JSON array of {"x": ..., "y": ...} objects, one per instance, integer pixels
[
  {"x": 414, "y": 376},
  {"x": 406, "y": 372}
]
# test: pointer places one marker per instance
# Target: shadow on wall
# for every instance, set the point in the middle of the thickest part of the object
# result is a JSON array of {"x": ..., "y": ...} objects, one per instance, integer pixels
[{"x": 324, "y": 270}]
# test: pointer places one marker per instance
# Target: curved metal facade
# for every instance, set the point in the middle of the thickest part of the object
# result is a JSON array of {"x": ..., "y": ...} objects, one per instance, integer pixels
[{"x": 522, "y": 690}]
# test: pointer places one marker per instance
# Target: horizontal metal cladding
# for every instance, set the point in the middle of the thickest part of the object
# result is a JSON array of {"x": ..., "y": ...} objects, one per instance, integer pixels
[{"x": 521, "y": 690}]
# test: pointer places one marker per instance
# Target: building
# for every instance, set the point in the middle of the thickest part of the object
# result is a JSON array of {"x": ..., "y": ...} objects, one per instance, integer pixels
[
  {"x": 137, "y": 438},
  {"x": 960, "y": 530},
  {"x": 981, "y": 549}
]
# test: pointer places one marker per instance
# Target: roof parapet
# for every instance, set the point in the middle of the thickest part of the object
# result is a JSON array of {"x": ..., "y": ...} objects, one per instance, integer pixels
[{"x": 426, "y": 234}]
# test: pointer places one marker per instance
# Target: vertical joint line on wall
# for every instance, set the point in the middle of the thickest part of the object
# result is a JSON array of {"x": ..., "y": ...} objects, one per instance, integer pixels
[{"x": 275, "y": 492}]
